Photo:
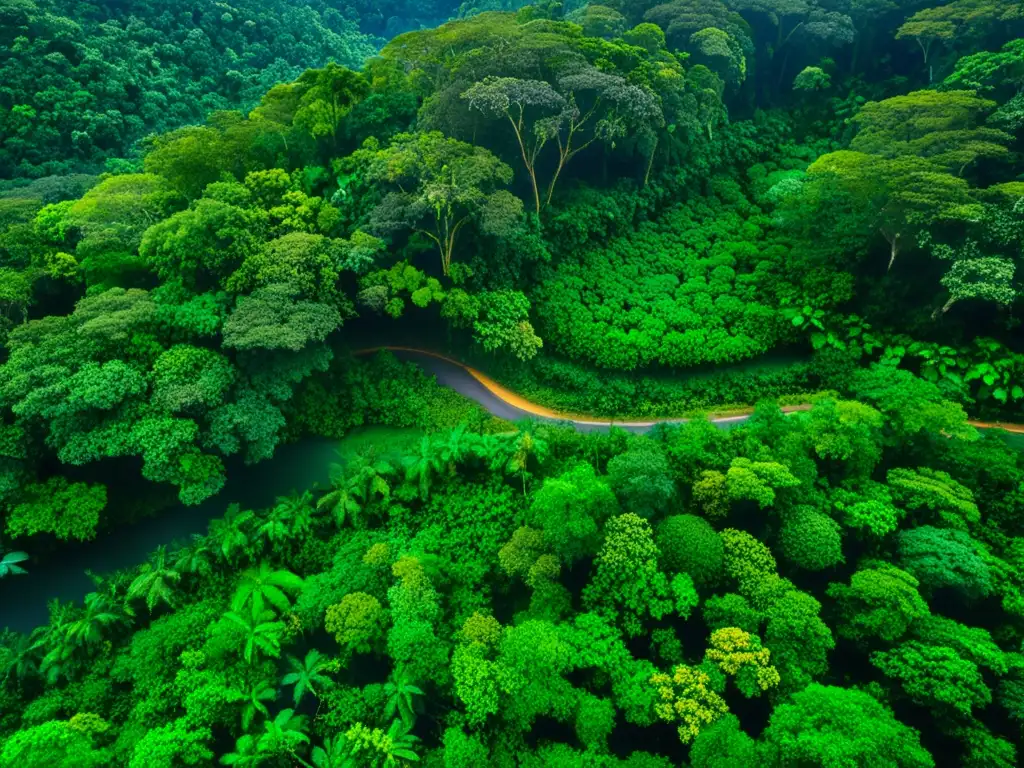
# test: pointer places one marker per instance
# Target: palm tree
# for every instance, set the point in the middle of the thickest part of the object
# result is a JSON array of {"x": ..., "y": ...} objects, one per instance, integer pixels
[
  {"x": 50, "y": 639},
  {"x": 155, "y": 582},
  {"x": 369, "y": 485},
  {"x": 304, "y": 674},
  {"x": 455, "y": 445},
  {"x": 22, "y": 660},
  {"x": 526, "y": 446},
  {"x": 403, "y": 744},
  {"x": 339, "y": 501},
  {"x": 264, "y": 585},
  {"x": 333, "y": 754},
  {"x": 400, "y": 691},
  {"x": 232, "y": 534},
  {"x": 245, "y": 754},
  {"x": 290, "y": 518},
  {"x": 356, "y": 488},
  {"x": 262, "y": 633},
  {"x": 89, "y": 627},
  {"x": 421, "y": 466},
  {"x": 284, "y": 734},
  {"x": 72, "y": 629},
  {"x": 253, "y": 695},
  {"x": 9, "y": 564},
  {"x": 195, "y": 558},
  {"x": 376, "y": 748}
]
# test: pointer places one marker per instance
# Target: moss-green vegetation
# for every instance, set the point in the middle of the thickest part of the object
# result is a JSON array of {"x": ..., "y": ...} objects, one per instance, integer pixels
[
  {"x": 629, "y": 209},
  {"x": 447, "y": 596}
]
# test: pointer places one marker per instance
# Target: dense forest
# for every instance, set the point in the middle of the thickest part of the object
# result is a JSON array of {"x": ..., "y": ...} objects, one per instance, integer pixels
[{"x": 209, "y": 212}]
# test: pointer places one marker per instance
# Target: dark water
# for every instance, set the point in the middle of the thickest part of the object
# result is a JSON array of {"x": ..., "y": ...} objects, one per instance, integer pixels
[{"x": 23, "y": 599}]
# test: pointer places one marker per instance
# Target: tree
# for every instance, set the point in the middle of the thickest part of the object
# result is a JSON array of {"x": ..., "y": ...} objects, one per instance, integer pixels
[
  {"x": 747, "y": 560},
  {"x": 970, "y": 643},
  {"x": 357, "y": 485},
  {"x": 446, "y": 182},
  {"x": 731, "y": 610},
  {"x": 571, "y": 508},
  {"x": 204, "y": 245},
  {"x": 688, "y": 544},
  {"x": 848, "y": 431},
  {"x": 926, "y": 28},
  {"x": 974, "y": 276},
  {"x": 811, "y": 539},
  {"x": 799, "y": 640},
  {"x": 190, "y": 379},
  {"x": 325, "y": 97},
  {"x": 642, "y": 480},
  {"x": 686, "y": 697},
  {"x": 757, "y": 480},
  {"x": 332, "y": 754},
  {"x": 836, "y": 727},
  {"x": 812, "y": 79},
  {"x": 156, "y": 581},
  {"x": 389, "y": 749},
  {"x": 933, "y": 490},
  {"x": 935, "y": 677},
  {"x": 960, "y": 19},
  {"x": 67, "y": 510},
  {"x": 723, "y": 744},
  {"x": 1001, "y": 72},
  {"x": 172, "y": 743},
  {"x": 283, "y": 735},
  {"x": 53, "y": 742},
  {"x": 272, "y": 318},
  {"x": 400, "y": 702},
  {"x": 941, "y": 126},
  {"x": 910, "y": 403},
  {"x": 307, "y": 674},
  {"x": 262, "y": 634},
  {"x": 357, "y": 622},
  {"x": 898, "y": 195},
  {"x": 259, "y": 586},
  {"x": 740, "y": 655},
  {"x": 252, "y": 696},
  {"x": 517, "y": 100},
  {"x": 87, "y": 627},
  {"x": 881, "y": 601},
  {"x": 942, "y": 558},
  {"x": 423, "y": 465},
  {"x": 584, "y": 106},
  {"x": 627, "y": 586}
]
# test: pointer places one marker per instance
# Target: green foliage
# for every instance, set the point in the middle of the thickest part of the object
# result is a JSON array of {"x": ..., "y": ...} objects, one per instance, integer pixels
[
  {"x": 688, "y": 544},
  {"x": 682, "y": 291},
  {"x": 627, "y": 586},
  {"x": 935, "y": 676},
  {"x": 699, "y": 235},
  {"x": 942, "y": 558},
  {"x": 881, "y": 601},
  {"x": 67, "y": 510},
  {"x": 811, "y": 539},
  {"x": 642, "y": 481},
  {"x": 571, "y": 509},
  {"x": 831, "y": 727},
  {"x": 86, "y": 86}
]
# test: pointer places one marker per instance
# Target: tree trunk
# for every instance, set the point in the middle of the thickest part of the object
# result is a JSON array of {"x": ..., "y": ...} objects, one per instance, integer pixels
[
  {"x": 894, "y": 249},
  {"x": 650, "y": 163},
  {"x": 943, "y": 309}
]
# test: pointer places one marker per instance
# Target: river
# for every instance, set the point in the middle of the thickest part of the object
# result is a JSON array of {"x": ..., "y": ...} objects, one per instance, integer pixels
[{"x": 23, "y": 599}]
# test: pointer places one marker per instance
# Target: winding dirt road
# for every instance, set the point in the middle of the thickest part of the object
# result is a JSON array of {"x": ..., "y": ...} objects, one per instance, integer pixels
[{"x": 506, "y": 404}]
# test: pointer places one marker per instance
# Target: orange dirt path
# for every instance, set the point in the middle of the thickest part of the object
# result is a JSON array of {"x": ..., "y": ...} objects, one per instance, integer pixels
[{"x": 511, "y": 398}]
